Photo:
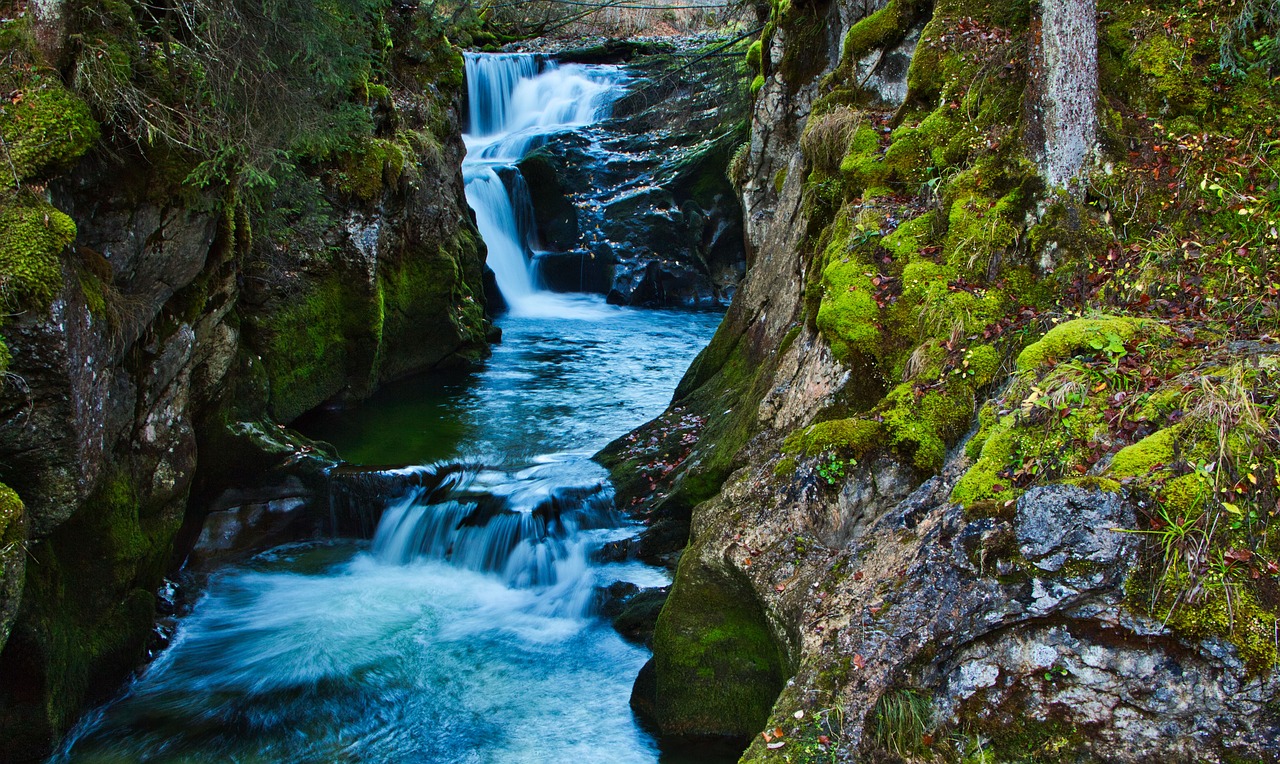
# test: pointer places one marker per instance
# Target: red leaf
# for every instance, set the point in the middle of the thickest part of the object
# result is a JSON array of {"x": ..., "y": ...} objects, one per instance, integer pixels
[{"x": 859, "y": 661}]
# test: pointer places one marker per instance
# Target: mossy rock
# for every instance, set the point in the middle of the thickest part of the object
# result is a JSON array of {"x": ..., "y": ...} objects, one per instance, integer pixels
[
  {"x": 319, "y": 344},
  {"x": 86, "y": 612},
  {"x": 1069, "y": 338},
  {"x": 33, "y": 234},
  {"x": 717, "y": 667},
  {"x": 45, "y": 127}
]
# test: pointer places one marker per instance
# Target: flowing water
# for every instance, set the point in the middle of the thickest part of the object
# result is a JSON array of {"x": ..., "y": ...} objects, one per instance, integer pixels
[{"x": 465, "y": 630}]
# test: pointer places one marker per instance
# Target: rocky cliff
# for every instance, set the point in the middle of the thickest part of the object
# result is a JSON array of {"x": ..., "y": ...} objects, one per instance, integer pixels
[
  {"x": 178, "y": 287},
  {"x": 982, "y": 464}
]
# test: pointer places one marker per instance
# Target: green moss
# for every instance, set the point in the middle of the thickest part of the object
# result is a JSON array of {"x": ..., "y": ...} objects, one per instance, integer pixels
[
  {"x": 717, "y": 666},
  {"x": 11, "y": 511},
  {"x": 1237, "y": 619},
  {"x": 848, "y": 315},
  {"x": 757, "y": 84},
  {"x": 6, "y": 357},
  {"x": 44, "y": 127},
  {"x": 978, "y": 229},
  {"x": 754, "y": 55},
  {"x": 852, "y": 437},
  {"x": 924, "y": 425},
  {"x": 1094, "y": 483},
  {"x": 32, "y": 236},
  {"x": 1148, "y": 454},
  {"x": 862, "y": 165},
  {"x": 318, "y": 344},
  {"x": 87, "y": 608},
  {"x": 905, "y": 242},
  {"x": 1067, "y": 339},
  {"x": 982, "y": 482},
  {"x": 367, "y": 171},
  {"x": 885, "y": 27}
]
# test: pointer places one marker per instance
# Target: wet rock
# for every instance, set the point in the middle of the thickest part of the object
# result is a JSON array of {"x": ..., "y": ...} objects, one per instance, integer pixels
[{"x": 639, "y": 615}]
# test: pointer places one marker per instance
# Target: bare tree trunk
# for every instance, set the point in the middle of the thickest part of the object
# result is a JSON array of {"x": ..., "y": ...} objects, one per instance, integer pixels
[
  {"x": 50, "y": 28},
  {"x": 1066, "y": 112}
]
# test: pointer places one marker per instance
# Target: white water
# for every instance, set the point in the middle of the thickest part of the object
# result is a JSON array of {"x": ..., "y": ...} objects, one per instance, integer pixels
[
  {"x": 516, "y": 104},
  {"x": 465, "y": 631}
]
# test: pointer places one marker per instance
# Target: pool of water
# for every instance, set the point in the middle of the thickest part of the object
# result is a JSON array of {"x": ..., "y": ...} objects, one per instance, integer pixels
[{"x": 413, "y": 646}]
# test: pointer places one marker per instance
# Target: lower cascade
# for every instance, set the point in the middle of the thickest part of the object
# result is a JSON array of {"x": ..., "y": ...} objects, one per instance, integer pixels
[{"x": 468, "y": 627}]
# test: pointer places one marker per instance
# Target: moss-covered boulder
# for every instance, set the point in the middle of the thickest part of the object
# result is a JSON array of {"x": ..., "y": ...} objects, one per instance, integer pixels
[{"x": 717, "y": 667}]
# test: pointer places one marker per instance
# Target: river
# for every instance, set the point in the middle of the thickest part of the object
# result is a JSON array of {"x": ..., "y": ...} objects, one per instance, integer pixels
[{"x": 467, "y": 629}]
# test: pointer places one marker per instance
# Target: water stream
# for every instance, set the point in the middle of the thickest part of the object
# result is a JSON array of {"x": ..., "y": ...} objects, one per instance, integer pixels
[{"x": 465, "y": 630}]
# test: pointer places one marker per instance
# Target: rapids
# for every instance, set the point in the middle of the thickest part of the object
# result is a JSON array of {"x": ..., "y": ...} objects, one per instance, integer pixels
[{"x": 466, "y": 629}]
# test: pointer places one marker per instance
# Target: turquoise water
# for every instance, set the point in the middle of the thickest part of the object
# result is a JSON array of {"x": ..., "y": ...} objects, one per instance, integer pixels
[{"x": 405, "y": 649}]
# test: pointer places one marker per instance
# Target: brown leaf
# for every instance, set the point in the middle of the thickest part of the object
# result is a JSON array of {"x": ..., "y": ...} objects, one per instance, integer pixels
[{"x": 859, "y": 661}]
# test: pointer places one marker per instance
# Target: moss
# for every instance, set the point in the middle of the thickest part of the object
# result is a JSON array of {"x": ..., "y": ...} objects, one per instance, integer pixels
[
  {"x": 1148, "y": 454},
  {"x": 32, "y": 236},
  {"x": 6, "y": 357},
  {"x": 1094, "y": 483},
  {"x": 365, "y": 172},
  {"x": 717, "y": 666},
  {"x": 44, "y": 127},
  {"x": 319, "y": 344},
  {"x": 757, "y": 84},
  {"x": 86, "y": 611},
  {"x": 852, "y": 437},
  {"x": 982, "y": 481},
  {"x": 906, "y": 241},
  {"x": 862, "y": 166},
  {"x": 924, "y": 425},
  {"x": 978, "y": 229},
  {"x": 754, "y": 53},
  {"x": 1066, "y": 339},
  {"x": 885, "y": 27},
  {"x": 11, "y": 513},
  {"x": 1237, "y": 619},
  {"x": 987, "y": 420},
  {"x": 848, "y": 315}
]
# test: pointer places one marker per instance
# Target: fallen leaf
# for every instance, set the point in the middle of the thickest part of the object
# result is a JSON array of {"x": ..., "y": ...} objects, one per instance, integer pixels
[{"x": 859, "y": 661}]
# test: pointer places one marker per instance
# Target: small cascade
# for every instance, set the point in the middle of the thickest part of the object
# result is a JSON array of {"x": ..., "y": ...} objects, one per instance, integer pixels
[
  {"x": 530, "y": 529},
  {"x": 517, "y": 101}
]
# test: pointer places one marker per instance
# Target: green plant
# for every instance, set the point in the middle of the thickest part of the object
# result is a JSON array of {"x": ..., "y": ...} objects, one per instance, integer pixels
[
  {"x": 831, "y": 468},
  {"x": 902, "y": 721}
]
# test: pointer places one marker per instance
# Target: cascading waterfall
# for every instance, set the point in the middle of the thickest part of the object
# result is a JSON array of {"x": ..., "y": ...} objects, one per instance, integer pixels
[
  {"x": 464, "y": 631},
  {"x": 516, "y": 102}
]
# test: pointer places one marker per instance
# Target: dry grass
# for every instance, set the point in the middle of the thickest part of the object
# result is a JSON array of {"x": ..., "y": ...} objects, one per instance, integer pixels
[{"x": 826, "y": 138}]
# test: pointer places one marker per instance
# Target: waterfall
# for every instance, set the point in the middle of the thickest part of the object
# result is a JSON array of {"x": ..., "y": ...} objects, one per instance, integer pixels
[
  {"x": 517, "y": 101},
  {"x": 530, "y": 529}
]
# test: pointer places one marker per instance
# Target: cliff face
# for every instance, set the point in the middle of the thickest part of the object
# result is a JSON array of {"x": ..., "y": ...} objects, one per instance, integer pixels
[
  {"x": 985, "y": 459},
  {"x": 161, "y": 323}
]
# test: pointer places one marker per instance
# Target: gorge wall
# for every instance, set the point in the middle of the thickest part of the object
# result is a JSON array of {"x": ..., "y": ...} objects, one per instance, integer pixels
[
  {"x": 180, "y": 285},
  {"x": 982, "y": 464}
]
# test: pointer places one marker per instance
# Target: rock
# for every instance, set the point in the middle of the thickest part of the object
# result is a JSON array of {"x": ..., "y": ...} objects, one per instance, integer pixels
[
  {"x": 638, "y": 615},
  {"x": 1060, "y": 523}
]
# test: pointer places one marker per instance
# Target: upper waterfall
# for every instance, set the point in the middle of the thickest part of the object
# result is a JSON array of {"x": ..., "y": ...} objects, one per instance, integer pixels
[{"x": 516, "y": 102}]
